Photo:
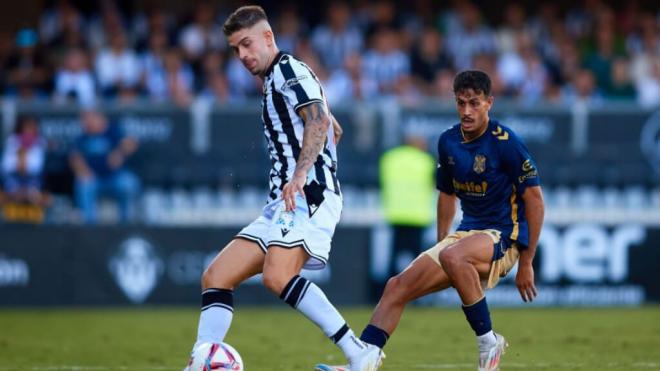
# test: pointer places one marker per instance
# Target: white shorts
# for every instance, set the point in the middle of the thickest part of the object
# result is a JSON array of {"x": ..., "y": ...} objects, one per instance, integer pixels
[{"x": 311, "y": 230}]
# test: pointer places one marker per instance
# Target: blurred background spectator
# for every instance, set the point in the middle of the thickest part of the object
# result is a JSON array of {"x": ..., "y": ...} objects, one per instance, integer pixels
[
  {"x": 23, "y": 162},
  {"x": 376, "y": 57},
  {"x": 113, "y": 49},
  {"x": 98, "y": 163}
]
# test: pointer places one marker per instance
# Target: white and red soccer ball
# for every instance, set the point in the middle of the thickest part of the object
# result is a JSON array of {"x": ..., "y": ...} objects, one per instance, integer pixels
[{"x": 215, "y": 357}]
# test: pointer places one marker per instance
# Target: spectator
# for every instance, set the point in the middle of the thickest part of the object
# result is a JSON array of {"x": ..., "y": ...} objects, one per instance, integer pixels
[
  {"x": 443, "y": 85},
  {"x": 289, "y": 29},
  {"x": 648, "y": 88},
  {"x": 22, "y": 163},
  {"x": 118, "y": 69},
  {"x": 471, "y": 38},
  {"x": 202, "y": 35},
  {"x": 213, "y": 83},
  {"x": 349, "y": 83},
  {"x": 582, "y": 89},
  {"x": 98, "y": 163},
  {"x": 151, "y": 60},
  {"x": 620, "y": 84},
  {"x": 26, "y": 68},
  {"x": 336, "y": 38},
  {"x": 174, "y": 81},
  {"x": 385, "y": 62},
  {"x": 75, "y": 80},
  {"x": 56, "y": 20},
  {"x": 427, "y": 58}
]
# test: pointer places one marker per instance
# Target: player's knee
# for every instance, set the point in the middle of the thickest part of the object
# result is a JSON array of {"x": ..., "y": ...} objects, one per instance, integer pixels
[
  {"x": 449, "y": 258},
  {"x": 395, "y": 290},
  {"x": 207, "y": 278},
  {"x": 212, "y": 279},
  {"x": 274, "y": 281}
]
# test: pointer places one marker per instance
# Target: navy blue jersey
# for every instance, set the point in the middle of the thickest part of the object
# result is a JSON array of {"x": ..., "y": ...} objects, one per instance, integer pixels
[{"x": 488, "y": 174}]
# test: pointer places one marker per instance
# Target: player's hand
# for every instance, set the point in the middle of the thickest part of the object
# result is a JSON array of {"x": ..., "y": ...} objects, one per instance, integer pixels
[
  {"x": 290, "y": 189},
  {"x": 525, "y": 282}
]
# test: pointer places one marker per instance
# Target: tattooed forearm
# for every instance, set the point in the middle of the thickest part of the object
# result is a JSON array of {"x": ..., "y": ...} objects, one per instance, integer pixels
[{"x": 317, "y": 122}]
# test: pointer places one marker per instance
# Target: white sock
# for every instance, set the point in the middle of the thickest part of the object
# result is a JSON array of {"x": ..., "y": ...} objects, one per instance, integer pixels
[
  {"x": 213, "y": 325},
  {"x": 309, "y": 300},
  {"x": 351, "y": 345},
  {"x": 215, "y": 318},
  {"x": 486, "y": 341}
]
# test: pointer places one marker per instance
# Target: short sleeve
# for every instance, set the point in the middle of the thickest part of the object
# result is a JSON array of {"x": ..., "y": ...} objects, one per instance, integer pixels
[
  {"x": 443, "y": 173},
  {"x": 297, "y": 83},
  {"x": 519, "y": 164}
]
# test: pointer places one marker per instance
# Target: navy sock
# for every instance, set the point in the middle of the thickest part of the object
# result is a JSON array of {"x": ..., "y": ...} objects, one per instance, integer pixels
[
  {"x": 375, "y": 336},
  {"x": 478, "y": 316}
]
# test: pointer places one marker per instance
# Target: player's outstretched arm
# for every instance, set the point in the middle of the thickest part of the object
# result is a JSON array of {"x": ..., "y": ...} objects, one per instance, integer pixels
[
  {"x": 534, "y": 212},
  {"x": 317, "y": 120},
  {"x": 446, "y": 210}
]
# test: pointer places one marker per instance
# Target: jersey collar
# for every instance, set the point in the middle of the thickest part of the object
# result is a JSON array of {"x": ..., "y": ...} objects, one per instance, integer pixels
[
  {"x": 478, "y": 136},
  {"x": 275, "y": 61}
]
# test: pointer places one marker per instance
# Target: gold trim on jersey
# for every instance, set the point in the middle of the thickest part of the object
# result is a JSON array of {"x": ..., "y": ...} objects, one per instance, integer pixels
[{"x": 514, "y": 215}]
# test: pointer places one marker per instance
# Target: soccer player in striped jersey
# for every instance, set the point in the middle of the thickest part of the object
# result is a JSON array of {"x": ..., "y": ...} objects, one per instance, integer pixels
[
  {"x": 304, "y": 201},
  {"x": 488, "y": 168}
]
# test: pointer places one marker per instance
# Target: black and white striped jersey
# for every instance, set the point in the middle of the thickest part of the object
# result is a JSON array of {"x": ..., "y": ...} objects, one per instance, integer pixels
[{"x": 289, "y": 85}]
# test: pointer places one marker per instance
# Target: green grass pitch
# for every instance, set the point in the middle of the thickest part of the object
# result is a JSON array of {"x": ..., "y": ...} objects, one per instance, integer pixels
[{"x": 279, "y": 338}]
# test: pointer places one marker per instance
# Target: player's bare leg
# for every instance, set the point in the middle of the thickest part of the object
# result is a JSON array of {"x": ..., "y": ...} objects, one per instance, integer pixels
[
  {"x": 466, "y": 262},
  {"x": 282, "y": 264},
  {"x": 238, "y": 261},
  {"x": 423, "y": 276}
]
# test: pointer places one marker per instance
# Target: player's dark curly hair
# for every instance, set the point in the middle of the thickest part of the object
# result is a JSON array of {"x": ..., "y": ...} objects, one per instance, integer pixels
[
  {"x": 244, "y": 17},
  {"x": 472, "y": 79}
]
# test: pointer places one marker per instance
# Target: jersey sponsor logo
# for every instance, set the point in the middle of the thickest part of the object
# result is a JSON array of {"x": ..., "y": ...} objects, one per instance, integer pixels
[
  {"x": 500, "y": 134},
  {"x": 529, "y": 175},
  {"x": 479, "y": 165},
  {"x": 527, "y": 165},
  {"x": 293, "y": 81},
  {"x": 450, "y": 160},
  {"x": 136, "y": 268},
  {"x": 471, "y": 188}
]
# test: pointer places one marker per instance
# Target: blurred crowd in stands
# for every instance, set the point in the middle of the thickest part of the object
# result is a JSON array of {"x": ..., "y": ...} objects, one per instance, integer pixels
[{"x": 535, "y": 51}]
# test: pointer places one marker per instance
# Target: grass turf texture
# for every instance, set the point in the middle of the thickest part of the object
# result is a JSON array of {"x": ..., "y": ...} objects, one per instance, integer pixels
[{"x": 281, "y": 339}]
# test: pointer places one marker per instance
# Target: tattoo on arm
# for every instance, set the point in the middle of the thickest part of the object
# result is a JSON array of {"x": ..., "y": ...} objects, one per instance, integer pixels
[{"x": 317, "y": 122}]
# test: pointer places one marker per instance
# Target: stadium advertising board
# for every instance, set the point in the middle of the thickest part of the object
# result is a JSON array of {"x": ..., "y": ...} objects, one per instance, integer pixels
[{"x": 49, "y": 265}]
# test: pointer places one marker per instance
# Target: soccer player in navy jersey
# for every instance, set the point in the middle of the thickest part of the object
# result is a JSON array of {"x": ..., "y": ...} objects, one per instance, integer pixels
[{"x": 488, "y": 168}]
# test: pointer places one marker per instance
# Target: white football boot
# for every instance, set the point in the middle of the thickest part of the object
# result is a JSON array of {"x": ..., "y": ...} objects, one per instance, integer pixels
[
  {"x": 490, "y": 360},
  {"x": 369, "y": 360}
]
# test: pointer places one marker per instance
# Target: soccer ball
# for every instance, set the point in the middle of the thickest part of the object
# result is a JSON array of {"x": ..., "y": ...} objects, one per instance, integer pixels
[{"x": 215, "y": 356}]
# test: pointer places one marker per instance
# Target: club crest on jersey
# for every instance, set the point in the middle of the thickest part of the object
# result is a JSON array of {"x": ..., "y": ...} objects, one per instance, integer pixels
[
  {"x": 479, "y": 165},
  {"x": 285, "y": 221}
]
